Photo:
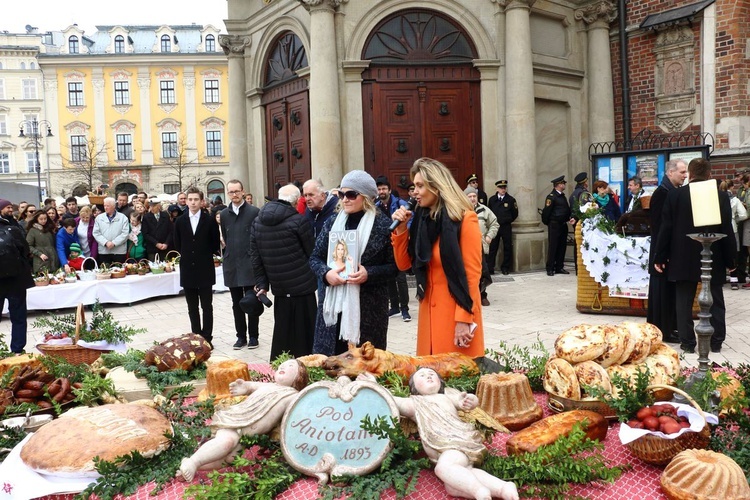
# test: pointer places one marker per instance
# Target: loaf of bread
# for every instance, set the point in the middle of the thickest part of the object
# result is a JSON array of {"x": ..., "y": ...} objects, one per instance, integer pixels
[
  {"x": 178, "y": 353},
  {"x": 550, "y": 429}
]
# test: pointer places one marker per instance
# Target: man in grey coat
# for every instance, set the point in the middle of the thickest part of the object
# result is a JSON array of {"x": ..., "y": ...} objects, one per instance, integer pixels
[
  {"x": 236, "y": 224},
  {"x": 111, "y": 230}
]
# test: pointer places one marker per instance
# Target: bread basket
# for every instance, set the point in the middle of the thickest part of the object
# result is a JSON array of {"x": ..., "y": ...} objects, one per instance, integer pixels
[
  {"x": 559, "y": 404},
  {"x": 656, "y": 450},
  {"x": 73, "y": 353}
]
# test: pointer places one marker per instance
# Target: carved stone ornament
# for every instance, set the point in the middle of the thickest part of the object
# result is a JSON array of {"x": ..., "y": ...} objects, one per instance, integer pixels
[
  {"x": 674, "y": 79},
  {"x": 514, "y": 4},
  {"x": 144, "y": 83},
  {"x": 98, "y": 84},
  {"x": 333, "y": 4},
  {"x": 600, "y": 11},
  {"x": 321, "y": 432},
  {"x": 234, "y": 44},
  {"x": 50, "y": 85},
  {"x": 188, "y": 82}
]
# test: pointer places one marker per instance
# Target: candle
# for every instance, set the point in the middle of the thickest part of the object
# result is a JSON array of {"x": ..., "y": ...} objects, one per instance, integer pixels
[{"x": 705, "y": 200}]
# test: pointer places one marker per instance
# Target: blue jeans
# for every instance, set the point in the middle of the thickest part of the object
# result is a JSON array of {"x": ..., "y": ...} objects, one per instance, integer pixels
[{"x": 17, "y": 310}]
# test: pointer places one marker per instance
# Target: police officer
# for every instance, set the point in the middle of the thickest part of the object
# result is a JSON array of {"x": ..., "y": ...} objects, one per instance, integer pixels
[
  {"x": 556, "y": 216},
  {"x": 473, "y": 181},
  {"x": 579, "y": 197},
  {"x": 505, "y": 208}
]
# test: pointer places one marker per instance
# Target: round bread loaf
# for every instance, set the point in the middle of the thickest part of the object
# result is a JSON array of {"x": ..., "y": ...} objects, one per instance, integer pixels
[
  {"x": 590, "y": 373},
  {"x": 626, "y": 372},
  {"x": 628, "y": 342},
  {"x": 651, "y": 332},
  {"x": 642, "y": 347},
  {"x": 67, "y": 446},
  {"x": 660, "y": 369},
  {"x": 580, "y": 343},
  {"x": 663, "y": 349},
  {"x": 704, "y": 475},
  {"x": 617, "y": 341},
  {"x": 178, "y": 353},
  {"x": 560, "y": 379}
]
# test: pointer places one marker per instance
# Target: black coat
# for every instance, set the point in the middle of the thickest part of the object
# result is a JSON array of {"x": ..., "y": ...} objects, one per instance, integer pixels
[
  {"x": 556, "y": 208},
  {"x": 157, "y": 232},
  {"x": 23, "y": 280},
  {"x": 506, "y": 211},
  {"x": 280, "y": 245},
  {"x": 683, "y": 254},
  {"x": 237, "y": 229},
  {"x": 196, "y": 250}
]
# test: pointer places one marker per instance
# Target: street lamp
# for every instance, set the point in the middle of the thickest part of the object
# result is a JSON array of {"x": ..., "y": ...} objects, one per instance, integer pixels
[{"x": 34, "y": 135}]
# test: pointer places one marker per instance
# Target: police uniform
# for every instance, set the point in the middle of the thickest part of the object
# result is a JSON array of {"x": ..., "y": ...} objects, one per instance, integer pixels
[
  {"x": 506, "y": 211},
  {"x": 555, "y": 215},
  {"x": 579, "y": 197},
  {"x": 481, "y": 195}
]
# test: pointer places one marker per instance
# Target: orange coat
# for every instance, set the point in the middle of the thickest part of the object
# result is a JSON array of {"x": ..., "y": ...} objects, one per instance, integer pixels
[{"x": 438, "y": 312}]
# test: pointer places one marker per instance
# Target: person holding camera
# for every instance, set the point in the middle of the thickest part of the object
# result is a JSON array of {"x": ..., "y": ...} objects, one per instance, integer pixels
[{"x": 281, "y": 242}]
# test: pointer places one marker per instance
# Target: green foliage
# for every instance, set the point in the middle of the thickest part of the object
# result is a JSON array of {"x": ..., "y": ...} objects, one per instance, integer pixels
[
  {"x": 705, "y": 390},
  {"x": 395, "y": 383},
  {"x": 269, "y": 475},
  {"x": 157, "y": 381},
  {"x": 527, "y": 360},
  {"x": 61, "y": 368},
  {"x": 399, "y": 470},
  {"x": 549, "y": 471},
  {"x": 632, "y": 395},
  {"x": 732, "y": 436},
  {"x": 466, "y": 382},
  {"x": 93, "y": 389},
  {"x": 125, "y": 474},
  {"x": 103, "y": 326}
]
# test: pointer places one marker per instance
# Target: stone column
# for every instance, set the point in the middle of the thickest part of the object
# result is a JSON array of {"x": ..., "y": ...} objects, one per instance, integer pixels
[
  {"x": 601, "y": 106},
  {"x": 234, "y": 47},
  {"x": 144, "y": 88},
  {"x": 492, "y": 167},
  {"x": 188, "y": 82},
  {"x": 325, "y": 113}
]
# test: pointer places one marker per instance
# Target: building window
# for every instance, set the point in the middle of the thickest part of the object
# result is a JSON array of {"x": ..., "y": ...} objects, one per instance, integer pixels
[
  {"x": 31, "y": 163},
  {"x": 211, "y": 90},
  {"x": 78, "y": 148},
  {"x": 171, "y": 188},
  {"x": 73, "y": 44},
  {"x": 1, "y": 65},
  {"x": 122, "y": 93},
  {"x": 32, "y": 65},
  {"x": 23, "y": 65},
  {"x": 75, "y": 94},
  {"x": 169, "y": 144},
  {"x": 3, "y": 125},
  {"x": 4, "y": 163},
  {"x": 2, "y": 86},
  {"x": 28, "y": 121},
  {"x": 124, "y": 147},
  {"x": 166, "y": 43},
  {"x": 119, "y": 44},
  {"x": 29, "y": 88},
  {"x": 213, "y": 143},
  {"x": 210, "y": 43},
  {"x": 166, "y": 92}
]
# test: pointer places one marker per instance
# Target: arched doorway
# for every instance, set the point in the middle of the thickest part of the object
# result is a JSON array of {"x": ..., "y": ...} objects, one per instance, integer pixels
[
  {"x": 287, "y": 111},
  {"x": 420, "y": 96},
  {"x": 215, "y": 188},
  {"x": 127, "y": 187}
]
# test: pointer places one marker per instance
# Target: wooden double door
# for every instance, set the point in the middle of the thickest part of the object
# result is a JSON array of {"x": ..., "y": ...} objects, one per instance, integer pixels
[{"x": 404, "y": 121}]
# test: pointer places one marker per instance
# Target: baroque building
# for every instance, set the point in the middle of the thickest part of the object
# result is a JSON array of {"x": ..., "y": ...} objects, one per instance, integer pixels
[
  {"x": 137, "y": 108},
  {"x": 506, "y": 89}
]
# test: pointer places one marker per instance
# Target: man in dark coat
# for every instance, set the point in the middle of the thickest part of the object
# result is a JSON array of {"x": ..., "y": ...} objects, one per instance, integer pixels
[
  {"x": 15, "y": 276},
  {"x": 505, "y": 208},
  {"x": 196, "y": 237},
  {"x": 157, "y": 232},
  {"x": 579, "y": 197},
  {"x": 661, "y": 291},
  {"x": 680, "y": 256},
  {"x": 236, "y": 226},
  {"x": 556, "y": 216},
  {"x": 280, "y": 246},
  {"x": 398, "y": 288},
  {"x": 473, "y": 181},
  {"x": 320, "y": 204}
]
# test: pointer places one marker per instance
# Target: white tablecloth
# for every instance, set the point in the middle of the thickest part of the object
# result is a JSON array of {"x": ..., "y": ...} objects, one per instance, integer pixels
[{"x": 112, "y": 291}]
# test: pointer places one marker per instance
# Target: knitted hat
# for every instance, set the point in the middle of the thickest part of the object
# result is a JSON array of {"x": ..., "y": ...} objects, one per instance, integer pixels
[
  {"x": 75, "y": 247},
  {"x": 470, "y": 190},
  {"x": 360, "y": 181},
  {"x": 4, "y": 203}
]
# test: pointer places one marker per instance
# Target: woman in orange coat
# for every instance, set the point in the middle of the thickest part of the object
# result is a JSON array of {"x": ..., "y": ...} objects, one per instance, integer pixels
[{"x": 443, "y": 247}]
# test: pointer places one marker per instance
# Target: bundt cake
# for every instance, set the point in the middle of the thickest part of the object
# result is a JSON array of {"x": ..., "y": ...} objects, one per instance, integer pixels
[
  {"x": 704, "y": 475},
  {"x": 220, "y": 374},
  {"x": 508, "y": 398}
]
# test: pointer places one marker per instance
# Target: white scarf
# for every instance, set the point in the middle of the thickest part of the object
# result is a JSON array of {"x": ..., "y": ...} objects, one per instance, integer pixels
[{"x": 344, "y": 299}]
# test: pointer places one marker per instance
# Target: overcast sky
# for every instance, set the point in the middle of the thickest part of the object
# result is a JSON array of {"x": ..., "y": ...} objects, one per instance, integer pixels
[{"x": 56, "y": 15}]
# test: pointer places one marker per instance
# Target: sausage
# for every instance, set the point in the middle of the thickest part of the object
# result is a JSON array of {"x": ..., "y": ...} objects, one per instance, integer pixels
[
  {"x": 28, "y": 394},
  {"x": 54, "y": 387},
  {"x": 77, "y": 385},
  {"x": 34, "y": 385},
  {"x": 44, "y": 404},
  {"x": 64, "y": 390},
  {"x": 26, "y": 400}
]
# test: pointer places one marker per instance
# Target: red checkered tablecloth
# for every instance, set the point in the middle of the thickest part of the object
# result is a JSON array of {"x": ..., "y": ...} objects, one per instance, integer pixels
[{"x": 641, "y": 482}]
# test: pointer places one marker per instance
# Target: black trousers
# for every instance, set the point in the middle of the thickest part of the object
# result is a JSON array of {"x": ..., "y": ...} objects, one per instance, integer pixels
[
  {"x": 294, "y": 325},
  {"x": 161, "y": 253},
  {"x": 204, "y": 296},
  {"x": 685, "y": 326},
  {"x": 245, "y": 325},
  {"x": 398, "y": 292},
  {"x": 742, "y": 270},
  {"x": 557, "y": 233},
  {"x": 504, "y": 234},
  {"x": 661, "y": 310},
  {"x": 111, "y": 258},
  {"x": 18, "y": 314}
]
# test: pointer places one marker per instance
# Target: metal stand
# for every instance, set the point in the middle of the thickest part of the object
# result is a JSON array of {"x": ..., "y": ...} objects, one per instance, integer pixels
[{"x": 703, "y": 330}]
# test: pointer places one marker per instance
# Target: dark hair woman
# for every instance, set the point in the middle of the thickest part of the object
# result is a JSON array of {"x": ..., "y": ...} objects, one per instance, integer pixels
[
  {"x": 41, "y": 239},
  {"x": 53, "y": 217},
  {"x": 609, "y": 206},
  {"x": 443, "y": 247}
]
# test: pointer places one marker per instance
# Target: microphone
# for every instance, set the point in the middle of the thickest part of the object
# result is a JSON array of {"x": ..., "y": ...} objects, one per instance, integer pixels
[{"x": 410, "y": 206}]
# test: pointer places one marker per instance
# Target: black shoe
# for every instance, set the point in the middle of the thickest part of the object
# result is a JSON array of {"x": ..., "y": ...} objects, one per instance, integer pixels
[
  {"x": 561, "y": 271},
  {"x": 671, "y": 340},
  {"x": 687, "y": 349},
  {"x": 252, "y": 343},
  {"x": 550, "y": 273},
  {"x": 239, "y": 344},
  {"x": 485, "y": 302},
  {"x": 716, "y": 349},
  {"x": 393, "y": 311},
  {"x": 505, "y": 272}
]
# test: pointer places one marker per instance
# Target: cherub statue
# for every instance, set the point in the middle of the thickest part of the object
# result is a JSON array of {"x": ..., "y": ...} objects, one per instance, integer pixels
[
  {"x": 258, "y": 414},
  {"x": 452, "y": 444}
]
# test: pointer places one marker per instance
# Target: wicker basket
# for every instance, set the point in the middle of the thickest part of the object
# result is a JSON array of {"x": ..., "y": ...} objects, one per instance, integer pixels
[
  {"x": 156, "y": 266},
  {"x": 559, "y": 404},
  {"x": 173, "y": 256},
  {"x": 88, "y": 274},
  {"x": 657, "y": 450},
  {"x": 96, "y": 199},
  {"x": 73, "y": 353},
  {"x": 118, "y": 272}
]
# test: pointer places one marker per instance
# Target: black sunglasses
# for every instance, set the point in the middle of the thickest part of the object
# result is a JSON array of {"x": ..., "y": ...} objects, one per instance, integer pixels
[{"x": 350, "y": 195}]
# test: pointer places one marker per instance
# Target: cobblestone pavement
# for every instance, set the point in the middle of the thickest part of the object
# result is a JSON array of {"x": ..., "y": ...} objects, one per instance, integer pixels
[{"x": 524, "y": 307}]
